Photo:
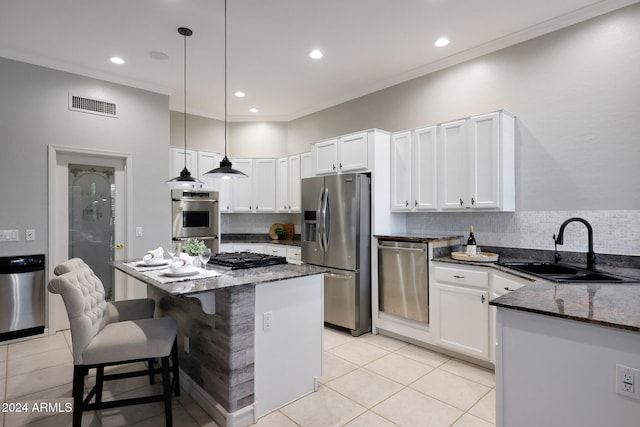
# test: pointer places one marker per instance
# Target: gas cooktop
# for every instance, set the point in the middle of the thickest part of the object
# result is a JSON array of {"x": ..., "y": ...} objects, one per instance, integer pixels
[{"x": 238, "y": 260}]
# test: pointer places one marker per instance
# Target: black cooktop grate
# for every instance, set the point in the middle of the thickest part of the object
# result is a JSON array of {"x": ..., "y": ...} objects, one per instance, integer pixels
[{"x": 238, "y": 260}]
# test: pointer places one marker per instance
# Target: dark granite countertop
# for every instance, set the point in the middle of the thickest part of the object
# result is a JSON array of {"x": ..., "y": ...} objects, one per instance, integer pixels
[
  {"x": 606, "y": 304},
  {"x": 241, "y": 277},
  {"x": 419, "y": 237}
]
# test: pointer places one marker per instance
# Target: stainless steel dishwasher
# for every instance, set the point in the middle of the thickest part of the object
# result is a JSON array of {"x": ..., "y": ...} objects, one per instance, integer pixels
[
  {"x": 22, "y": 297},
  {"x": 403, "y": 279}
]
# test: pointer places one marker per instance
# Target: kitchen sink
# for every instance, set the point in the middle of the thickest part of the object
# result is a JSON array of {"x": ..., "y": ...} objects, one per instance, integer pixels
[{"x": 561, "y": 273}]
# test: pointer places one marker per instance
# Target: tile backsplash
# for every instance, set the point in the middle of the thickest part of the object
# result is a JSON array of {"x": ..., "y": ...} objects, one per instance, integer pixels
[{"x": 614, "y": 232}]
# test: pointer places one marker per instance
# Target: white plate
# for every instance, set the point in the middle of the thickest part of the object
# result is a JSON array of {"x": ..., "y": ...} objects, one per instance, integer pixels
[
  {"x": 189, "y": 272},
  {"x": 153, "y": 264}
]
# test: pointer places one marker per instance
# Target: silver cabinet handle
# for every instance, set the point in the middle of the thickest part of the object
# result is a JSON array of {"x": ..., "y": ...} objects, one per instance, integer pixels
[
  {"x": 406, "y": 203},
  {"x": 473, "y": 201},
  {"x": 334, "y": 167},
  {"x": 458, "y": 277},
  {"x": 482, "y": 298},
  {"x": 461, "y": 202},
  {"x": 415, "y": 203},
  {"x": 506, "y": 288},
  {"x": 340, "y": 165}
]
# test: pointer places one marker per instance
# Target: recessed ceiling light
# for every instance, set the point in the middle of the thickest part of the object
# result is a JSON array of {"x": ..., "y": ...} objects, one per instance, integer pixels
[
  {"x": 239, "y": 94},
  {"x": 315, "y": 54},
  {"x": 116, "y": 60},
  {"x": 253, "y": 110},
  {"x": 160, "y": 56},
  {"x": 442, "y": 41}
]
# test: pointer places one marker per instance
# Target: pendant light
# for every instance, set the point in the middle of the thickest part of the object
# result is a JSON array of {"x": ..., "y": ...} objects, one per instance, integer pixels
[
  {"x": 185, "y": 179},
  {"x": 225, "y": 171}
]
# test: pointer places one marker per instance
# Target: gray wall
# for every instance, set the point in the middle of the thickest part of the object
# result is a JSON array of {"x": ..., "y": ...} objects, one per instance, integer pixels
[
  {"x": 575, "y": 93},
  {"x": 245, "y": 139},
  {"x": 34, "y": 114}
]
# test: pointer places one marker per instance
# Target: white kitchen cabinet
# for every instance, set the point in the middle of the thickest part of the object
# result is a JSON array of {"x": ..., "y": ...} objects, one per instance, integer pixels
[
  {"x": 178, "y": 157},
  {"x": 288, "y": 196},
  {"x": 306, "y": 165},
  {"x": 224, "y": 195},
  {"x": 294, "y": 254},
  {"x": 326, "y": 157},
  {"x": 460, "y": 302},
  {"x": 257, "y": 193},
  {"x": 206, "y": 162},
  {"x": 347, "y": 153},
  {"x": 295, "y": 183},
  {"x": 282, "y": 193},
  {"x": 501, "y": 284},
  {"x": 478, "y": 162},
  {"x": 414, "y": 170}
]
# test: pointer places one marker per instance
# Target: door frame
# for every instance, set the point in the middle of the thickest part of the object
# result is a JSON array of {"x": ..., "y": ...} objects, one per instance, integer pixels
[{"x": 54, "y": 152}]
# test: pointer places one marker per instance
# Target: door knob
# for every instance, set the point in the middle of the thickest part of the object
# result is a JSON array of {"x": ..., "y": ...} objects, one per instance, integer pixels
[{"x": 118, "y": 246}]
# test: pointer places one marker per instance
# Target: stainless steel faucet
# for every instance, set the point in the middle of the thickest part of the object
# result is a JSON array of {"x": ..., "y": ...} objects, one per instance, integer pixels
[{"x": 591, "y": 256}]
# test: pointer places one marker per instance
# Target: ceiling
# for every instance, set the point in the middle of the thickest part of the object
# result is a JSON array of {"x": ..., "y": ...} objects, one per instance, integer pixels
[{"x": 368, "y": 44}]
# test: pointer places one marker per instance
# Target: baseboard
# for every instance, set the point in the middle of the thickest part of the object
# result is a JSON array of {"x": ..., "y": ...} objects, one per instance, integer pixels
[{"x": 241, "y": 418}]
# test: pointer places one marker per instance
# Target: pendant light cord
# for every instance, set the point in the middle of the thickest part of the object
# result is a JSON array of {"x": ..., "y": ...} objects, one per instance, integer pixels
[
  {"x": 185, "y": 100},
  {"x": 225, "y": 78}
]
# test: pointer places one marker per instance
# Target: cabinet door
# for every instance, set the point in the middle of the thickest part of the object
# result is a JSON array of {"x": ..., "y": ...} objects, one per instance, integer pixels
[
  {"x": 424, "y": 171},
  {"x": 352, "y": 152},
  {"x": 206, "y": 162},
  {"x": 224, "y": 195},
  {"x": 264, "y": 185},
  {"x": 326, "y": 157},
  {"x": 401, "y": 171},
  {"x": 454, "y": 165},
  {"x": 282, "y": 193},
  {"x": 463, "y": 319},
  {"x": 178, "y": 159},
  {"x": 484, "y": 143},
  {"x": 306, "y": 166},
  {"x": 242, "y": 189},
  {"x": 295, "y": 184}
]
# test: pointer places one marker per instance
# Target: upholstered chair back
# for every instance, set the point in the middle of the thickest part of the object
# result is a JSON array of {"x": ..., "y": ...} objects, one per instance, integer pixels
[
  {"x": 83, "y": 296},
  {"x": 69, "y": 265}
]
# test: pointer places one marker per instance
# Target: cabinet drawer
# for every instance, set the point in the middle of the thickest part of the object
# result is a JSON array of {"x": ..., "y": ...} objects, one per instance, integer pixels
[
  {"x": 503, "y": 283},
  {"x": 459, "y": 276},
  {"x": 294, "y": 253},
  {"x": 276, "y": 250}
]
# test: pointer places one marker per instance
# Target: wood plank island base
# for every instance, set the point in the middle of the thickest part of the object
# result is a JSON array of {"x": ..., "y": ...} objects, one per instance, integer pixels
[{"x": 250, "y": 341}]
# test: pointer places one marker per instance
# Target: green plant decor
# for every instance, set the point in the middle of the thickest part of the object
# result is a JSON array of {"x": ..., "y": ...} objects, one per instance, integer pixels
[
  {"x": 194, "y": 247},
  {"x": 281, "y": 233}
]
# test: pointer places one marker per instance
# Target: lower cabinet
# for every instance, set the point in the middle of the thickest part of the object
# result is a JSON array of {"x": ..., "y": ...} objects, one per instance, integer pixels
[{"x": 460, "y": 300}]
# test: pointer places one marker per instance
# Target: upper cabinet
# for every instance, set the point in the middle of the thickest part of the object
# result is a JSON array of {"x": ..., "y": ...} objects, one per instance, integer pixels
[
  {"x": 288, "y": 194},
  {"x": 478, "y": 163},
  {"x": 306, "y": 165},
  {"x": 344, "y": 154},
  {"x": 257, "y": 193},
  {"x": 414, "y": 170},
  {"x": 179, "y": 157},
  {"x": 466, "y": 164}
]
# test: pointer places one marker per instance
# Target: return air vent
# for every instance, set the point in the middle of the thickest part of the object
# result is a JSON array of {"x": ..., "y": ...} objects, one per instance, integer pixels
[{"x": 93, "y": 106}]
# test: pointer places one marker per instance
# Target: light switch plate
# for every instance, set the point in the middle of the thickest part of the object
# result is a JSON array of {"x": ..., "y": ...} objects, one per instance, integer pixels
[{"x": 30, "y": 234}]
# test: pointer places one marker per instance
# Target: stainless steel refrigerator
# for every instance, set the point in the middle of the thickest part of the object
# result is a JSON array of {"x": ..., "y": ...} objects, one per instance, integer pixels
[{"x": 336, "y": 233}]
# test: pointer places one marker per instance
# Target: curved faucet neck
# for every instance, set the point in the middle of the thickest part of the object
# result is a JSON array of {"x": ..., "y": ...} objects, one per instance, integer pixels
[{"x": 591, "y": 256}]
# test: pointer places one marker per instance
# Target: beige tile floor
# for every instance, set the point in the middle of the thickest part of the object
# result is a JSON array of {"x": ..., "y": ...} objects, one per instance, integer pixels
[{"x": 368, "y": 381}]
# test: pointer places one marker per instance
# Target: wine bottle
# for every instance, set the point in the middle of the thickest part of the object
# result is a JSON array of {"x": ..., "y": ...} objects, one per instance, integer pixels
[{"x": 471, "y": 243}]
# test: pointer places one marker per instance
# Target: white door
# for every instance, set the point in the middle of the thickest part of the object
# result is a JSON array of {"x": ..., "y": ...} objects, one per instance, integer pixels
[
  {"x": 295, "y": 183},
  {"x": 206, "y": 162},
  {"x": 352, "y": 152},
  {"x": 282, "y": 195},
  {"x": 88, "y": 218},
  {"x": 454, "y": 165},
  {"x": 264, "y": 185},
  {"x": 326, "y": 157},
  {"x": 485, "y": 171},
  {"x": 242, "y": 189}
]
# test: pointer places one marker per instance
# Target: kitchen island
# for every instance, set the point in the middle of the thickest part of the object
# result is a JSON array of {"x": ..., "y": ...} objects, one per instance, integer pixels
[
  {"x": 250, "y": 340},
  {"x": 558, "y": 347}
]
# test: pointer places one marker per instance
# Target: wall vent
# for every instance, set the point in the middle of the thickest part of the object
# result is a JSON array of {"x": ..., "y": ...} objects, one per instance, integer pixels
[{"x": 93, "y": 106}]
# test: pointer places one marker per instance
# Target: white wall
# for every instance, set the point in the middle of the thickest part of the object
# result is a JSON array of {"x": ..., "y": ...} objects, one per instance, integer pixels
[{"x": 34, "y": 114}]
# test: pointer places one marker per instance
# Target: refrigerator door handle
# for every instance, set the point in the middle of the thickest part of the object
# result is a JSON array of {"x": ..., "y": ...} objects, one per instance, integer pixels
[
  {"x": 327, "y": 219},
  {"x": 320, "y": 220},
  {"x": 339, "y": 276}
]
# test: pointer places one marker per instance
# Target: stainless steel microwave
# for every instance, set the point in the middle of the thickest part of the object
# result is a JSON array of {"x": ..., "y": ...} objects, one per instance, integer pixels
[{"x": 194, "y": 213}]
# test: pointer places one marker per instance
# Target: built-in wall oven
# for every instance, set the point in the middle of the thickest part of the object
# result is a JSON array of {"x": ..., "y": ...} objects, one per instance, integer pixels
[{"x": 195, "y": 215}]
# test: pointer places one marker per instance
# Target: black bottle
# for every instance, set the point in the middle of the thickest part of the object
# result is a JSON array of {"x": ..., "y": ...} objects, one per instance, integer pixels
[{"x": 471, "y": 243}]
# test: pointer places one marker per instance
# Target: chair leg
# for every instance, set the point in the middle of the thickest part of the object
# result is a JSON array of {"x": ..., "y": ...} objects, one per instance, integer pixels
[
  {"x": 166, "y": 385},
  {"x": 99, "y": 383},
  {"x": 152, "y": 378},
  {"x": 174, "y": 362},
  {"x": 78, "y": 392}
]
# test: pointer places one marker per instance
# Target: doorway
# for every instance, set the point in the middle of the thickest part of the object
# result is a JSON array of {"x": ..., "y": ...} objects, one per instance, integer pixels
[{"x": 88, "y": 217}]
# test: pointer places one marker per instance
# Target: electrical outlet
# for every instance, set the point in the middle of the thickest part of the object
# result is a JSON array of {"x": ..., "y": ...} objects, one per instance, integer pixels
[
  {"x": 186, "y": 344},
  {"x": 627, "y": 381},
  {"x": 267, "y": 321}
]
